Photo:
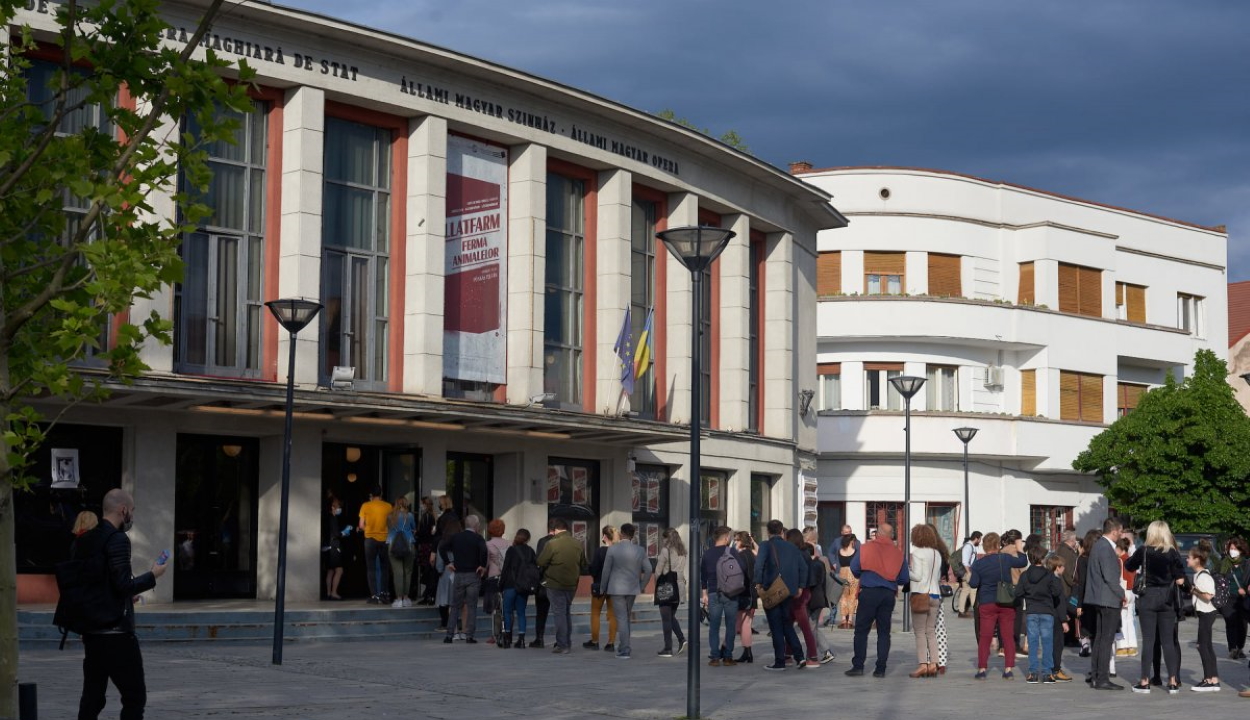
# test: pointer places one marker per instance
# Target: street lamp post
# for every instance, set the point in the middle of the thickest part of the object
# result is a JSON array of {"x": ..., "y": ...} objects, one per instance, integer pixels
[
  {"x": 293, "y": 314},
  {"x": 966, "y": 434},
  {"x": 907, "y": 386},
  {"x": 695, "y": 248}
]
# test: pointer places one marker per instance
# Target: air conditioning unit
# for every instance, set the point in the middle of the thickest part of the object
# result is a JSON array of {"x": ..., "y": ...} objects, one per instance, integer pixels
[{"x": 993, "y": 376}]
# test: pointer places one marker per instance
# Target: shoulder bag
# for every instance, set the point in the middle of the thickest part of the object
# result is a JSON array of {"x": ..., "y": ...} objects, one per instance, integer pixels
[
  {"x": 1139, "y": 582},
  {"x": 776, "y": 592},
  {"x": 666, "y": 584},
  {"x": 1005, "y": 591}
]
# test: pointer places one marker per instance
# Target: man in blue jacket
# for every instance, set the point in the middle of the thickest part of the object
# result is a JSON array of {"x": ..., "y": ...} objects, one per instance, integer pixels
[{"x": 778, "y": 557}]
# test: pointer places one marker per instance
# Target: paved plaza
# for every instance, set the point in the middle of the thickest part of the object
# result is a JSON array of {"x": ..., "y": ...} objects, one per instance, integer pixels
[{"x": 428, "y": 679}]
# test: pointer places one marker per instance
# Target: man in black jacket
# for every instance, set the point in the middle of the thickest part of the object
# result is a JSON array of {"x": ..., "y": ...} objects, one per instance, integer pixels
[{"x": 113, "y": 653}]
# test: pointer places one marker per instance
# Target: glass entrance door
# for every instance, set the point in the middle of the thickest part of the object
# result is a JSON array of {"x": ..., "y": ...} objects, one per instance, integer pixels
[
  {"x": 215, "y": 503},
  {"x": 471, "y": 485}
]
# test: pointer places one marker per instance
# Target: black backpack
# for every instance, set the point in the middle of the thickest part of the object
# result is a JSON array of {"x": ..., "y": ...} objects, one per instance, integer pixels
[
  {"x": 86, "y": 603},
  {"x": 527, "y": 579}
]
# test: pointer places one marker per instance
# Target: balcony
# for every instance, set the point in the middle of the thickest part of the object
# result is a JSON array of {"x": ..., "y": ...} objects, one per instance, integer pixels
[{"x": 1037, "y": 444}]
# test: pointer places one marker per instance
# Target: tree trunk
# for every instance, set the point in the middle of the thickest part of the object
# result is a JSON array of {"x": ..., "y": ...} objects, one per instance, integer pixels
[{"x": 8, "y": 603}]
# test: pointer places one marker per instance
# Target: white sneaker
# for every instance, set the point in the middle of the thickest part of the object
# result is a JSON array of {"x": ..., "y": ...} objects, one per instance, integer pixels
[
  {"x": 407, "y": 602},
  {"x": 397, "y": 604}
]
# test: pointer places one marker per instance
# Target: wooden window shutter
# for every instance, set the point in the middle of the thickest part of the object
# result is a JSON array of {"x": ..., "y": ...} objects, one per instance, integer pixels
[
  {"x": 1090, "y": 281},
  {"x": 828, "y": 368},
  {"x": 829, "y": 273},
  {"x": 1091, "y": 398},
  {"x": 1069, "y": 396},
  {"x": 944, "y": 275},
  {"x": 1119, "y": 294},
  {"x": 1135, "y": 298},
  {"x": 885, "y": 263},
  {"x": 1069, "y": 288},
  {"x": 1026, "y": 295},
  {"x": 883, "y": 366},
  {"x": 1129, "y": 395},
  {"x": 1028, "y": 392}
]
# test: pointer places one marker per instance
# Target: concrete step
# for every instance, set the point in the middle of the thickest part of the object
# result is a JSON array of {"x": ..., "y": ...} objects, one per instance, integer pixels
[{"x": 323, "y": 622}]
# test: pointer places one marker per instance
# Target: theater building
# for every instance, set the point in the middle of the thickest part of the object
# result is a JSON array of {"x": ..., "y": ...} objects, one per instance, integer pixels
[
  {"x": 1036, "y": 318},
  {"x": 478, "y": 237}
]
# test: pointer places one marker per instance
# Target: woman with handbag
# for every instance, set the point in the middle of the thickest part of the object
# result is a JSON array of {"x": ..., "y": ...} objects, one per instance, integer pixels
[
  {"x": 996, "y": 598},
  {"x": 670, "y": 588},
  {"x": 1236, "y": 566},
  {"x": 925, "y": 568},
  {"x": 749, "y": 599},
  {"x": 1160, "y": 570},
  {"x": 598, "y": 598}
]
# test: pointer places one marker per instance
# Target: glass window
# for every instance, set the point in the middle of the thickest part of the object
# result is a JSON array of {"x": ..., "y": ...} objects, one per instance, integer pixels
[
  {"x": 355, "y": 244},
  {"x": 879, "y": 394},
  {"x": 942, "y": 389},
  {"x": 1189, "y": 314},
  {"x": 829, "y": 386},
  {"x": 651, "y": 508},
  {"x": 1049, "y": 521},
  {"x": 563, "y": 312},
  {"x": 876, "y": 513},
  {"x": 713, "y": 490},
  {"x": 943, "y": 516},
  {"x": 218, "y": 305},
  {"x": 885, "y": 284},
  {"x": 761, "y": 505},
  {"x": 642, "y": 302},
  {"x": 573, "y": 494}
]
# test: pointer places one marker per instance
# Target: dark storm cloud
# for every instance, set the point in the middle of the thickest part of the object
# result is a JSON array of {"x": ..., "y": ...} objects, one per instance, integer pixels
[{"x": 1139, "y": 103}]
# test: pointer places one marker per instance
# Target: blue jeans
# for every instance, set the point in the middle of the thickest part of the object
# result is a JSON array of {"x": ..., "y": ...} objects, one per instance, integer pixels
[
  {"x": 1041, "y": 630},
  {"x": 720, "y": 607},
  {"x": 781, "y": 625},
  {"x": 514, "y": 602}
]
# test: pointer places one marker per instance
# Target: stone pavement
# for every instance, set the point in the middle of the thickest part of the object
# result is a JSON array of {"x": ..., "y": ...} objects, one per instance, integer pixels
[{"x": 406, "y": 678}]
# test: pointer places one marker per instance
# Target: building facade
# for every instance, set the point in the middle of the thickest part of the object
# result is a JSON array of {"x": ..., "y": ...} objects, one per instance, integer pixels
[
  {"x": 1035, "y": 318},
  {"x": 480, "y": 240}
]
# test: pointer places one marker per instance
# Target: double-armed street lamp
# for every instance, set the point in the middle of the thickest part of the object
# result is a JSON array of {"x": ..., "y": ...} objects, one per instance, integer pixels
[
  {"x": 695, "y": 248},
  {"x": 293, "y": 315}
]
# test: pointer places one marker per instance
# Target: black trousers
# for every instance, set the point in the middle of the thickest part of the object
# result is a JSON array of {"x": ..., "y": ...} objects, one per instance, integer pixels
[
  {"x": 1234, "y": 623},
  {"x": 1206, "y": 626},
  {"x": 542, "y": 607},
  {"x": 1107, "y": 625},
  {"x": 1158, "y": 636},
  {"x": 113, "y": 657},
  {"x": 875, "y": 604}
]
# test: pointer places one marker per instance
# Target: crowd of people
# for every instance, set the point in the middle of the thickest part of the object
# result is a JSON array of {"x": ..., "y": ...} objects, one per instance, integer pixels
[{"x": 1090, "y": 594}]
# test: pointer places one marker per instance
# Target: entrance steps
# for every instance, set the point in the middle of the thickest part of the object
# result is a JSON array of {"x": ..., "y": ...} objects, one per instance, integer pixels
[{"x": 252, "y": 621}]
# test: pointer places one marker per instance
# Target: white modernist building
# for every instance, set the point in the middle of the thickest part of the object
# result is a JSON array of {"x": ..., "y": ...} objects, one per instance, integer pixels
[
  {"x": 1035, "y": 318},
  {"x": 478, "y": 238}
]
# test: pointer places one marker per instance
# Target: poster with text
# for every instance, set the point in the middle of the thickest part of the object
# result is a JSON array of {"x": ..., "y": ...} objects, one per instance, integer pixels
[
  {"x": 634, "y": 482},
  {"x": 553, "y": 483},
  {"x": 580, "y": 531},
  {"x": 653, "y": 494},
  {"x": 581, "y": 486},
  {"x": 476, "y": 262},
  {"x": 713, "y": 493},
  {"x": 653, "y": 540}
]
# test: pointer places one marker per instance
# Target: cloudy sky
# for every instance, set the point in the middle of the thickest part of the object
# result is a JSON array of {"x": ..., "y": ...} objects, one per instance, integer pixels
[{"x": 1139, "y": 103}]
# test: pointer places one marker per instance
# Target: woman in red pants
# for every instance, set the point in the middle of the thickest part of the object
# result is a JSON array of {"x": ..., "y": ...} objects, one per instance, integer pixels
[{"x": 987, "y": 572}]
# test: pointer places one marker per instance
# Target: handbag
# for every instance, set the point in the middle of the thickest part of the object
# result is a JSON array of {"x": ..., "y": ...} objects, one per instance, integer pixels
[
  {"x": 666, "y": 592},
  {"x": 920, "y": 601},
  {"x": 1139, "y": 582},
  {"x": 776, "y": 592},
  {"x": 401, "y": 549},
  {"x": 1005, "y": 592}
]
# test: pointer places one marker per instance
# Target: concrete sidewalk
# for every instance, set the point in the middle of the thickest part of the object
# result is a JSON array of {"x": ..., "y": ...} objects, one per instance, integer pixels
[{"x": 405, "y": 678}]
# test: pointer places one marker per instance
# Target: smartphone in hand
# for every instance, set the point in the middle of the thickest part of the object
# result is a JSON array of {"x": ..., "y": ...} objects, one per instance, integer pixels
[{"x": 162, "y": 558}]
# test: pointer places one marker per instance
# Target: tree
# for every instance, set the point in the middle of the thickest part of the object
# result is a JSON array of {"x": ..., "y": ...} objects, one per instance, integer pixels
[
  {"x": 730, "y": 137},
  {"x": 80, "y": 162},
  {"x": 1183, "y": 455}
]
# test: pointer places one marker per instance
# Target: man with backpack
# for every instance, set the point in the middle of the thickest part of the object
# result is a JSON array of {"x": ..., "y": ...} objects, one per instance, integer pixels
[
  {"x": 723, "y": 580},
  {"x": 960, "y": 561},
  {"x": 112, "y": 649}
]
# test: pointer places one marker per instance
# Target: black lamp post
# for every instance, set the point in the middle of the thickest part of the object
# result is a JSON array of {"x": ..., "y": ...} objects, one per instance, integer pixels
[
  {"x": 695, "y": 248},
  {"x": 966, "y": 434},
  {"x": 293, "y": 314},
  {"x": 907, "y": 386}
]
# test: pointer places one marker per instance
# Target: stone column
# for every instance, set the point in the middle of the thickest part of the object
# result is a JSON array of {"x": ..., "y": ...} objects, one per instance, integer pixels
[
  {"x": 299, "y": 263},
  {"x": 426, "y": 238},
  {"x": 779, "y": 331},
  {"x": 613, "y": 275},
  {"x": 735, "y": 324},
  {"x": 527, "y": 241}
]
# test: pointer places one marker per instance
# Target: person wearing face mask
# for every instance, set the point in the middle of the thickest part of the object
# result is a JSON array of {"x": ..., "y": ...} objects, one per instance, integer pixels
[
  {"x": 1236, "y": 613},
  {"x": 334, "y": 549},
  {"x": 113, "y": 652}
]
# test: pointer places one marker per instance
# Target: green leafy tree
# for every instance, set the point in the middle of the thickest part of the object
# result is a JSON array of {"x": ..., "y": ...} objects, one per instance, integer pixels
[
  {"x": 1183, "y": 455},
  {"x": 729, "y": 137},
  {"x": 83, "y": 152}
]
